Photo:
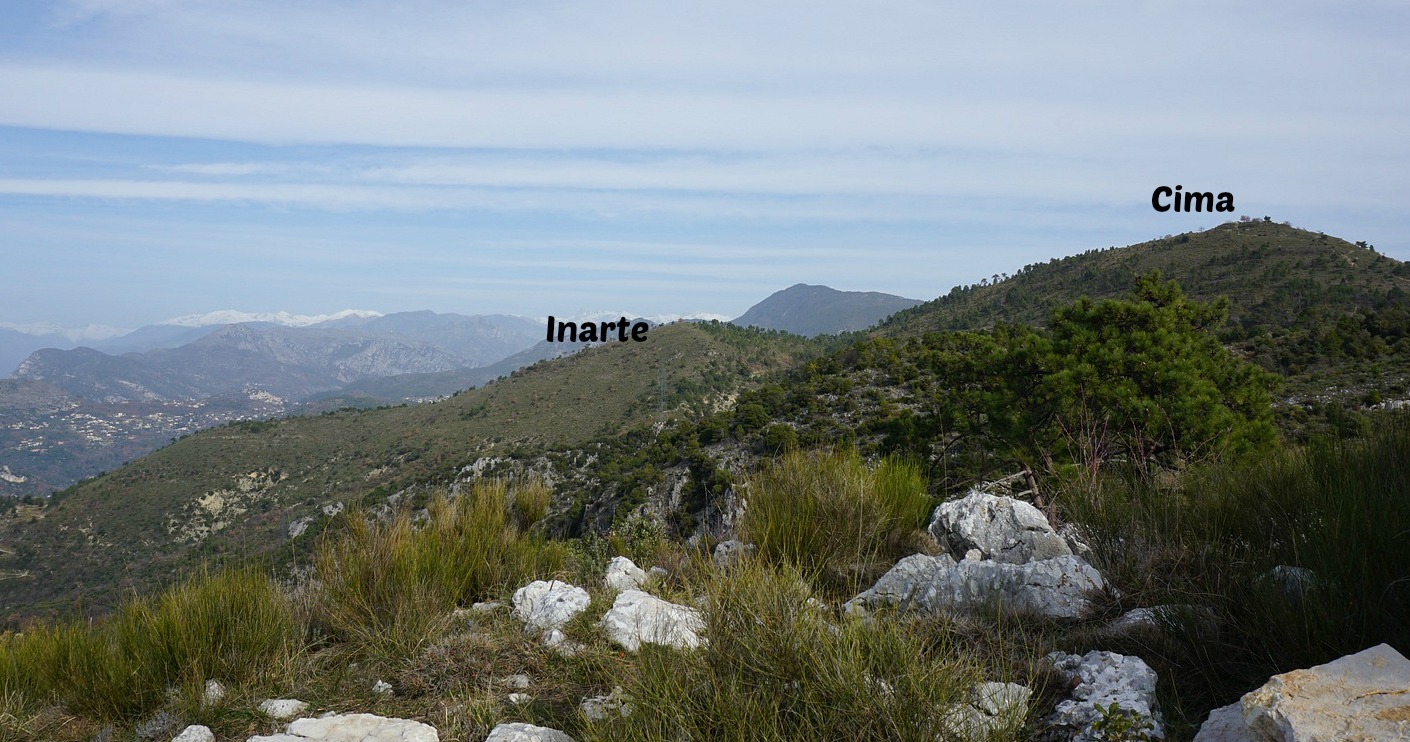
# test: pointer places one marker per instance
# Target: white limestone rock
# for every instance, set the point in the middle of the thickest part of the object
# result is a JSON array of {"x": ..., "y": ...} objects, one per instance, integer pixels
[
  {"x": 623, "y": 574},
  {"x": 1158, "y": 618},
  {"x": 1101, "y": 679},
  {"x": 1358, "y": 698},
  {"x": 599, "y": 708},
  {"x": 382, "y": 688},
  {"x": 519, "y": 682},
  {"x": 993, "y": 709},
  {"x": 195, "y": 733},
  {"x": 520, "y": 732},
  {"x": 1225, "y": 724},
  {"x": 548, "y": 605},
  {"x": 638, "y": 617},
  {"x": 354, "y": 728},
  {"x": 1055, "y": 588},
  {"x": 214, "y": 693},
  {"x": 1001, "y": 528},
  {"x": 282, "y": 708},
  {"x": 519, "y": 699}
]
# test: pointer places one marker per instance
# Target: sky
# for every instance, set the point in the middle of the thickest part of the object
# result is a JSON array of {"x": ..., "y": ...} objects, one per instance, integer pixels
[{"x": 161, "y": 158}]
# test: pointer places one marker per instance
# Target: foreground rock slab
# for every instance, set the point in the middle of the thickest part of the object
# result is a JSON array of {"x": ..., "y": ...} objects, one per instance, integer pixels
[
  {"x": 1099, "y": 680},
  {"x": 548, "y": 605},
  {"x": 354, "y": 728},
  {"x": 637, "y": 617},
  {"x": 1055, "y": 588},
  {"x": 999, "y": 528},
  {"x": 1358, "y": 698},
  {"x": 519, "y": 732}
]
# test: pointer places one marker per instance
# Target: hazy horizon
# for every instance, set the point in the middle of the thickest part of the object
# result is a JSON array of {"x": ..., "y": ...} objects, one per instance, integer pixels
[{"x": 163, "y": 158}]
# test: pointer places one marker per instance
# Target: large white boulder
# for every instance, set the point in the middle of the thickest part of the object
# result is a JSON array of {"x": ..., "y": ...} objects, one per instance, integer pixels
[
  {"x": 1358, "y": 698},
  {"x": 354, "y": 728},
  {"x": 999, "y": 528},
  {"x": 623, "y": 574},
  {"x": 1055, "y": 588},
  {"x": 548, "y": 605},
  {"x": 638, "y": 617},
  {"x": 520, "y": 732},
  {"x": 1099, "y": 680}
]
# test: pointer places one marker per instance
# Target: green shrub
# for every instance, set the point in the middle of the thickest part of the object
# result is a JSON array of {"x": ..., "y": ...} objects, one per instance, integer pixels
[
  {"x": 388, "y": 586},
  {"x": 778, "y": 668}
]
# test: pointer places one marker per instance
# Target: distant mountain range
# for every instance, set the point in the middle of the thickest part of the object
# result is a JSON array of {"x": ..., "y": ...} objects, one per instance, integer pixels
[{"x": 818, "y": 310}]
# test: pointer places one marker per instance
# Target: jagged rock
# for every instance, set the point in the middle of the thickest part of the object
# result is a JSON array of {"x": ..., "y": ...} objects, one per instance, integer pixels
[
  {"x": 549, "y": 605},
  {"x": 599, "y": 708},
  {"x": 730, "y": 552},
  {"x": 1001, "y": 528},
  {"x": 354, "y": 728},
  {"x": 195, "y": 733},
  {"x": 560, "y": 643},
  {"x": 519, "y": 732},
  {"x": 519, "y": 699},
  {"x": 638, "y": 617},
  {"x": 1100, "y": 679},
  {"x": 898, "y": 586},
  {"x": 1056, "y": 588},
  {"x": 622, "y": 574},
  {"x": 282, "y": 708},
  {"x": 1076, "y": 542},
  {"x": 214, "y": 693},
  {"x": 382, "y": 688},
  {"x": 1362, "y": 697},
  {"x": 992, "y": 708}
]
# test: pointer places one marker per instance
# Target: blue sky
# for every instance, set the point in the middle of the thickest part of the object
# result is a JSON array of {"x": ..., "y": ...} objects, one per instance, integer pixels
[{"x": 162, "y": 158}]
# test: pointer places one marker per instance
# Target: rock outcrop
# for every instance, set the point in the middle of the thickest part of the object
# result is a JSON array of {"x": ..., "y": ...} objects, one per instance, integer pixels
[
  {"x": 638, "y": 617},
  {"x": 1358, "y": 698},
  {"x": 1055, "y": 588},
  {"x": 1099, "y": 681},
  {"x": 999, "y": 528},
  {"x": 993, "y": 708}
]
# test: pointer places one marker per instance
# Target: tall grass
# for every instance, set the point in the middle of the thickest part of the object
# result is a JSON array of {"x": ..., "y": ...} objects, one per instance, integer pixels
[
  {"x": 230, "y": 624},
  {"x": 387, "y": 586},
  {"x": 828, "y": 513},
  {"x": 778, "y": 668},
  {"x": 1340, "y": 509}
]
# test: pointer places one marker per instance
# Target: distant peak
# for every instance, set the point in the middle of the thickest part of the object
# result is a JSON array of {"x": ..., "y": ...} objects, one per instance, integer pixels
[{"x": 235, "y": 316}]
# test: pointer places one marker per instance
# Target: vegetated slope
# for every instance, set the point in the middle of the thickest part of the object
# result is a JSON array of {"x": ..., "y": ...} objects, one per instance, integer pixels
[
  {"x": 1276, "y": 276},
  {"x": 820, "y": 310},
  {"x": 238, "y": 489}
]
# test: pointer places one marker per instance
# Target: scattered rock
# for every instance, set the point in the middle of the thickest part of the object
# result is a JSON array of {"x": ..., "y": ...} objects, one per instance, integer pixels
[
  {"x": 1156, "y": 619},
  {"x": 282, "y": 708},
  {"x": 1295, "y": 582},
  {"x": 560, "y": 643},
  {"x": 159, "y": 726},
  {"x": 519, "y": 732},
  {"x": 1099, "y": 680},
  {"x": 1076, "y": 542},
  {"x": 731, "y": 551},
  {"x": 638, "y": 617},
  {"x": 214, "y": 693},
  {"x": 520, "y": 681},
  {"x": 519, "y": 699},
  {"x": 599, "y": 708},
  {"x": 658, "y": 573},
  {"x": 622, "y": 574},
  {"x": 1001, "y": 528},
  {"x": 549, "y": 605},
  {"x": 1361, "y": 697},
  {"x": 300, "y": 525},
  {"x": 354, "y": 728},
  {"x": 993, "y": 708},
  {"x": 1055, "y": 588},
  {"x": 195, "y": 733},
  {"x": 382, "y": 688}
]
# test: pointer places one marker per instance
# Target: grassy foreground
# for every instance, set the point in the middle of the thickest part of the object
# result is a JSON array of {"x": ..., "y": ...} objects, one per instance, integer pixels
[{"x": 386, "y": 601}]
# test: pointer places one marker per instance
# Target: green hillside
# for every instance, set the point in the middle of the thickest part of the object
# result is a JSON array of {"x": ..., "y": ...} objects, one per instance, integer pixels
[
  {"x": 236, "y": 490},
  {"x": 1276, "y": 276}
]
